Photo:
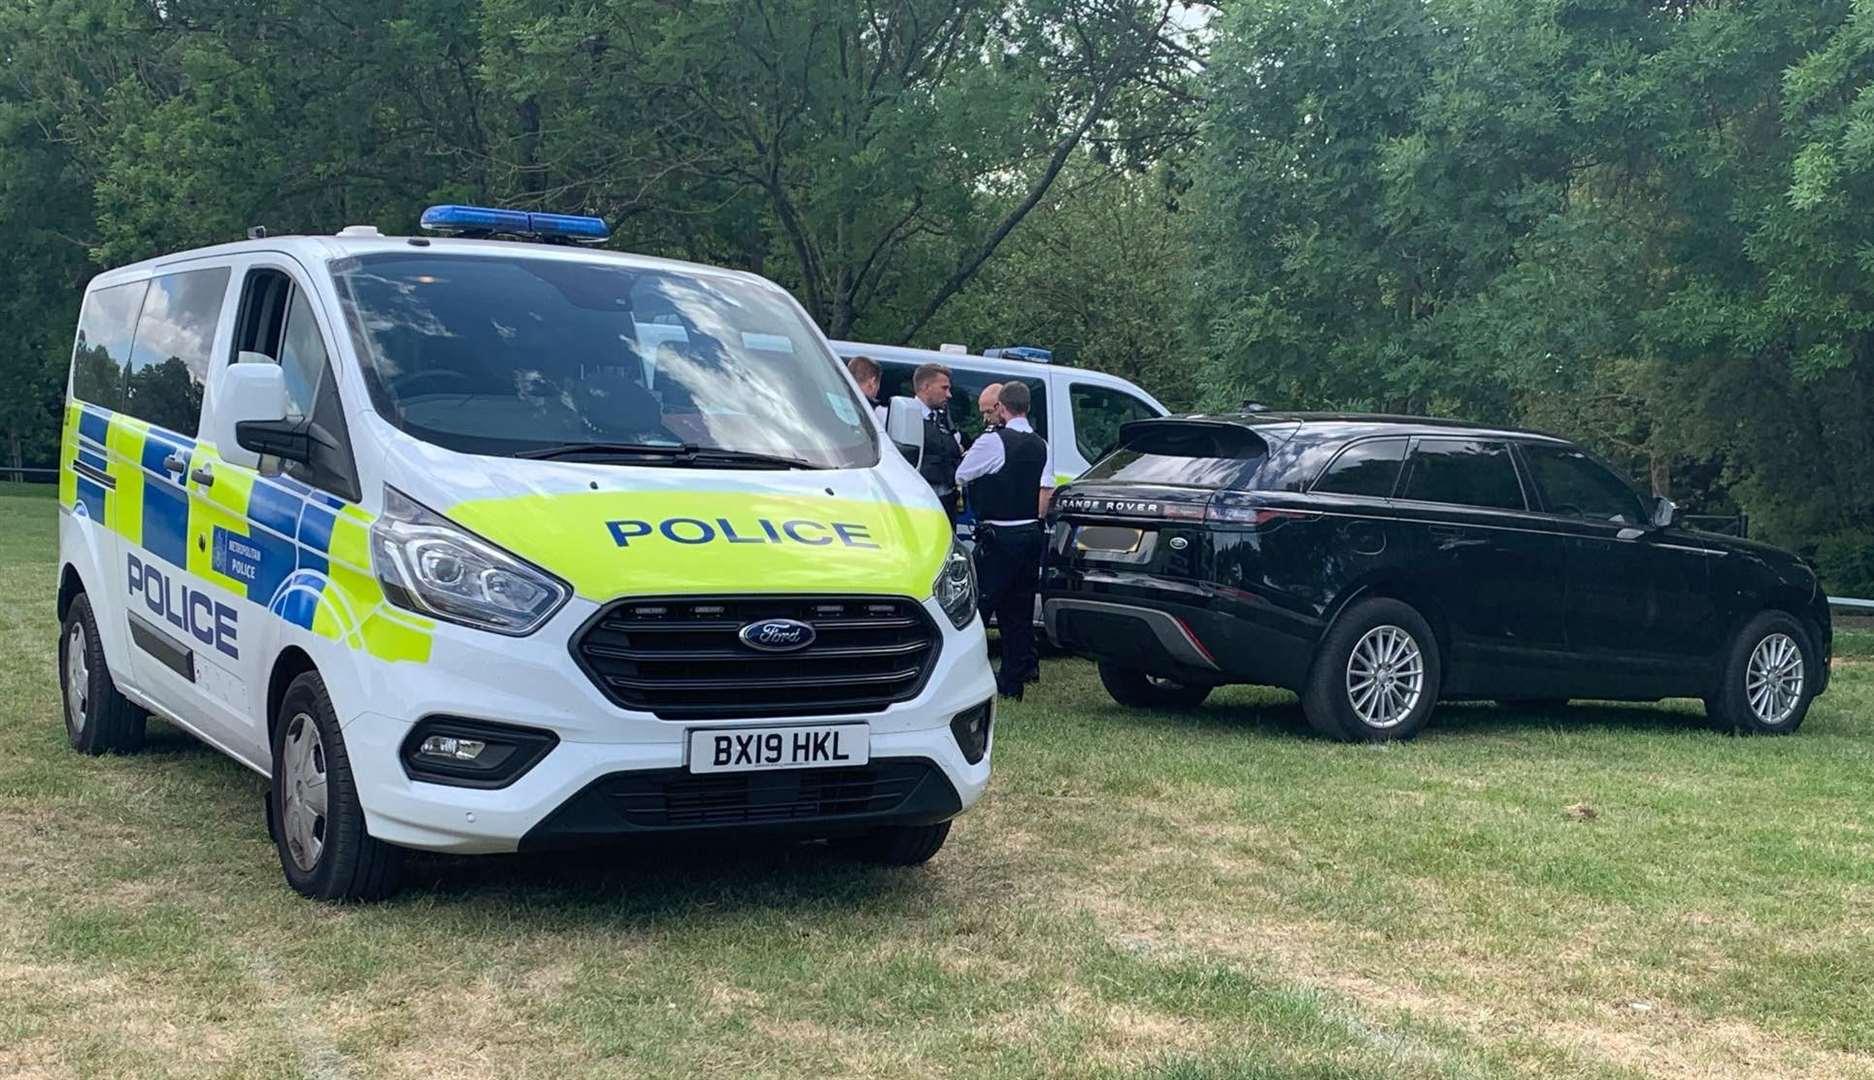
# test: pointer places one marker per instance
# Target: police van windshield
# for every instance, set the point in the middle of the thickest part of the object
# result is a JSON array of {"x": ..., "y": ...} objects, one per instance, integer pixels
[{"x": 510, "y": 356}]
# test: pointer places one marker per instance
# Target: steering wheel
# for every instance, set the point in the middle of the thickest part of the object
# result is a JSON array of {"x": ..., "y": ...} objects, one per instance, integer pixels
[{"x": 400, "y": 385}]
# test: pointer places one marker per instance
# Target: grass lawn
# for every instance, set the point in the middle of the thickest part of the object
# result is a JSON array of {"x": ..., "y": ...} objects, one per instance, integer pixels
[{"x": 1604, "y": 892}]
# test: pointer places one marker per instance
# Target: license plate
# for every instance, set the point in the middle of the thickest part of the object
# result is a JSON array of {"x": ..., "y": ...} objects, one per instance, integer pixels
[
  {"x": 1108, "y": 539},
  {"x": 750, "y": 749}
]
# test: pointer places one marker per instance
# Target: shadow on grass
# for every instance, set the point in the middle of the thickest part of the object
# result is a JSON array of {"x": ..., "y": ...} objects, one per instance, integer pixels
[
  {"x": 1284, "y": 718},
  {"x": 650, "y": 879}
]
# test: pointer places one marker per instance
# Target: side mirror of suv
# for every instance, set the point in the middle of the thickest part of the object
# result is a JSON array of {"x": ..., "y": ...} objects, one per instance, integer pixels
[
  {"x": 252, "y": 390},
  {"x": 904, "y": 423},
  {"x": 1665, "y": 512}
]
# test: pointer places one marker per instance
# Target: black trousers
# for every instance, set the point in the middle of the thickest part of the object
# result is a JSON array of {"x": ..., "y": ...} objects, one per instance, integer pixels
[{"x": 1008, "y": 573}]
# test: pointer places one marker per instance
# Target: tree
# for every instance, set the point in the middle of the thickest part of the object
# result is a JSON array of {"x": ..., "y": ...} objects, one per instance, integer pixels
[
  {"x": 861, "y": 152},
  {"x": 1636, "y": 220},
  {"x": 1103, "y": 279}
]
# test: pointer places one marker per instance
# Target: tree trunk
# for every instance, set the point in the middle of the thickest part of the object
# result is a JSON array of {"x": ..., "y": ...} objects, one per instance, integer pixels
[
  {"x": 16, "y": 455},
  {"x": 1659, "y": 471}
]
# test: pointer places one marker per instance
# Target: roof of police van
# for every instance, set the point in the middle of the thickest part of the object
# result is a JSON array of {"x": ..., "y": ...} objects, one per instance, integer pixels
[
  {"x": 321, "y": 247},
  {"x": 908, "y": 354},
  {"x": 1329, "y": 425}
]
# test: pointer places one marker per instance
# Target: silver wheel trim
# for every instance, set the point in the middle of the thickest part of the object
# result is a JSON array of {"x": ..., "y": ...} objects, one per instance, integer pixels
[
  {"x": 1385, "y": 677},
  {"x": 77, "y": 678},
  {"x": 1163, "y": 683},
  {"x": 303, "y": 781},
  {"x": 1773, "y": 679}
]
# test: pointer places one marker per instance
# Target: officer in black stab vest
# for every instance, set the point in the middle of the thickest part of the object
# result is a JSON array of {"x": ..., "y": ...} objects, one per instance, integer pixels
[
  {"x": 930, "y": 384},
  {"x": 1009, "y": 476}
]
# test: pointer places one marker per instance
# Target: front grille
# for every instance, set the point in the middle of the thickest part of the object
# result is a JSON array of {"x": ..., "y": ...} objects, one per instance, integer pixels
[
  {"x": 682, "y": 658},
  {"x": 676, "y": 799}
]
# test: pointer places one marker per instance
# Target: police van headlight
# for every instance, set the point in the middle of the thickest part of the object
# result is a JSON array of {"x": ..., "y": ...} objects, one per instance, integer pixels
[
  {"x": 955, "y": 587},
  {"x": 431, "y": 565}
]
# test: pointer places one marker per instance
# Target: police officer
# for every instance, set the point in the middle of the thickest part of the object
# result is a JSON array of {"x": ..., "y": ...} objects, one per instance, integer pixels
[
  {"x": 930, "y": 384},
  {"x": 1009, "y": 477},
  {"x": 866, "y": 372},
  {"x": 989, "y": 404}
]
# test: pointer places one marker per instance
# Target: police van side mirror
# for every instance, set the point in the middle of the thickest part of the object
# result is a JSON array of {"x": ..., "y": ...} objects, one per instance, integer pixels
[
  {"x": 248, "y": 392},
  {"x": 904, "y": 423}
]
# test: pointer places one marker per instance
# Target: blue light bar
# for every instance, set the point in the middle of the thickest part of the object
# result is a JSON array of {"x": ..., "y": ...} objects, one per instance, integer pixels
[
  {"x": 482, "y": 219},
  {"x": 1022, "y": 352}
]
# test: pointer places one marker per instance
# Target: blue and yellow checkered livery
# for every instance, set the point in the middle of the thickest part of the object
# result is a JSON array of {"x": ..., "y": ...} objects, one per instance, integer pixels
[{"x": 301, "y": 553}]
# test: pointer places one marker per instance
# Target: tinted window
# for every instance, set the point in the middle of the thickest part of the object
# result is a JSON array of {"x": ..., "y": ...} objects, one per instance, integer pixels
[
  {"x": 510, "y": 354},
  {"x": 1098, "y": 413},
  {"x": 106, "y": 328},
  {"x": 1188, "y": 454},
  {"x": 966, "y": 385},
  {"x": 169, "y": 358},
  {"x": 1575, "y": 485},
  {"x": 1368, "y": 468},
  {"x": 1464, "y": 472}
]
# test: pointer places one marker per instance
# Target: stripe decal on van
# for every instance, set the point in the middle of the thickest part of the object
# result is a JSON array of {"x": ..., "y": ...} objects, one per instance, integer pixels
[{"x": 302, "y": 553}]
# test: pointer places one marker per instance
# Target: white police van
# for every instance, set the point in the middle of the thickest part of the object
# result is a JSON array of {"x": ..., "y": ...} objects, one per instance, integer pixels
[{"x": 471, "y": 544}]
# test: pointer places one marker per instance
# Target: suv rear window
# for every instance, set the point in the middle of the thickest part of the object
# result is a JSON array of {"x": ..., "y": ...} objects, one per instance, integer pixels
[{"x": 1193, "y": 455}]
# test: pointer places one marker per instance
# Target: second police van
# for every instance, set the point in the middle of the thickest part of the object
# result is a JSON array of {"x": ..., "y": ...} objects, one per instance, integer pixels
[
  {"x": 476, "y": 545},
  {"x": 1079, "y": 412}
]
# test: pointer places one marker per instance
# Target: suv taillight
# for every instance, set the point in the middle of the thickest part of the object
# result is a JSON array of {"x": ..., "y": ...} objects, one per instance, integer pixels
[
  {"x": 1254, "y": 516},
  {"x": 1241, "y": 509}
]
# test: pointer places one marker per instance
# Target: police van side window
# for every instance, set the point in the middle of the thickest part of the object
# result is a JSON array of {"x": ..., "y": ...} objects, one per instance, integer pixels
[
  {"x": 1099, "y": 412},
  {"x": 169, "y": 355},
  {"x": 106, "y": 327},
  {"x": 278, "y": 321}
]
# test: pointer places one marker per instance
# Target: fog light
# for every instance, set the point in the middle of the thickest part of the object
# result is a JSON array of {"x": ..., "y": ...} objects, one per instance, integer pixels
[
  {"x": 971, "y": 730},
  {"x": 472, "y": 753},
  {"x": 450, "y": 748}
]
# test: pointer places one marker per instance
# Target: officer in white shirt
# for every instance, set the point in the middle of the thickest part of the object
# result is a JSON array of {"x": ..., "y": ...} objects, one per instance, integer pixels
[
  {"x": 930, "y": 384},
  {"x": 1008, "y": 472}
]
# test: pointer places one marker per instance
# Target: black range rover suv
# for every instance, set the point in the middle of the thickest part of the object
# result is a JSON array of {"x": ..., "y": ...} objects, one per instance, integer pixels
[{"x": 1376, "y": 565}]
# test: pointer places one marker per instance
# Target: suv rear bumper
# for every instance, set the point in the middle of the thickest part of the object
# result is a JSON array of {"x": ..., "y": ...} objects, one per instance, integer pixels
[{"x": 1223, "y": 641}]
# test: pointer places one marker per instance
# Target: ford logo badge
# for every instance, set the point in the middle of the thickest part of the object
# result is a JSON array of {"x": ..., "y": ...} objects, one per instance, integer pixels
[{"x": 777, "y": 635}]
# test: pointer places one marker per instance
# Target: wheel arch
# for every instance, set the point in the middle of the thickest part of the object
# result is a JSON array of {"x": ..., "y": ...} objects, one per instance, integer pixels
[
  {"x": 1404, "y": 590},
  {"x": 71, "y": 585},
  {"x": 292, "y": 662}
]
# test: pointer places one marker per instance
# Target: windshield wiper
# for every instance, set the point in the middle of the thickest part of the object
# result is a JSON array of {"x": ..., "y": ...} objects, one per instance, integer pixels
[{"x": 678, "y": 454}]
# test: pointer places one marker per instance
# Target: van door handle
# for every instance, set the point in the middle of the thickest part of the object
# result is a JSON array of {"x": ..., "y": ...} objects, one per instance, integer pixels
[
  {"x": 203, "y": 475},
  {"x": 175, "y": 462}
]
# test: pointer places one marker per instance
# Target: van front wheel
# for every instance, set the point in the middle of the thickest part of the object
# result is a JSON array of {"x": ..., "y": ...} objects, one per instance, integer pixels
[{"x": 313, "y": 809}]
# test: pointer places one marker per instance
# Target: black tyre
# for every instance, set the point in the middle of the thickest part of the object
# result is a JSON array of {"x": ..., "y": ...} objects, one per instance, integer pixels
[
  {"x": 98, "y": 719},
  {"x": 1130, "y": 686},
  {"x": 1376, "y": 674},
  {"x": 902, "y": 845},
  {"x": 313, "y": 811},
  {"x": 1768, "y": 679}
]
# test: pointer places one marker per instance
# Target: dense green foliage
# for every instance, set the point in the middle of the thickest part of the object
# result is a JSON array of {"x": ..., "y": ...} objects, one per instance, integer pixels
[
  {"x": 872, "y": 156},
  {"x": 1642, "y": 223},
  {"x": 1639, "y": 222}
]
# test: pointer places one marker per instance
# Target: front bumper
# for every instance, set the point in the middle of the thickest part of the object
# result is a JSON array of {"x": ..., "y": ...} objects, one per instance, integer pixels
[{"x": 602, "y": 750}]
